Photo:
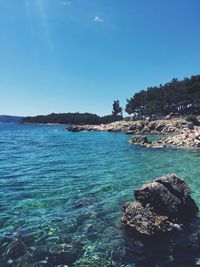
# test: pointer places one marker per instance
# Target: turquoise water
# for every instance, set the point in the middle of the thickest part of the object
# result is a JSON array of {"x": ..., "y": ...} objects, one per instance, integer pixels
[{"x": 61, "y": 194}]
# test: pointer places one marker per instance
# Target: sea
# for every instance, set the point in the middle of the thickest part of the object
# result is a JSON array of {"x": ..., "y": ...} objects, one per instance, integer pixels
[{"x": 61, "y": 198}]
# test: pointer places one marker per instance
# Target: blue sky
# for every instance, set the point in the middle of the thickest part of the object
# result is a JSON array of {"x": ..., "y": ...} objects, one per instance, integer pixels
[{"x": 80, "y": 55}]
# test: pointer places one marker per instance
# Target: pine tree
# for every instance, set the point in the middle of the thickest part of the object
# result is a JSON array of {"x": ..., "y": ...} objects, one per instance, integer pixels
[{"x": 116, "y": 108}]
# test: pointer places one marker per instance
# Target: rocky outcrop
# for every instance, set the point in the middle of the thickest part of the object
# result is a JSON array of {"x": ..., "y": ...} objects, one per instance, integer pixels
[
  {"x": 144, "y": 220},
  {"x": 178, "y": 133},
  {"x": 142, "y": 140},
  {"x": 188, "y": 138},
  {"x": 161, "y": 206},
  {"x": 134, "y": 127},
  {"x": 185, "y": 138},
  {"x": 75, "y": 128}
]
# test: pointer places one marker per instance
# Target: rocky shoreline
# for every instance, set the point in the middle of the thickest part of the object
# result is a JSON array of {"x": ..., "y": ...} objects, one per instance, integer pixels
[
  {"x": 186, "y": 138},
  {"x": 174, "y": 132},
  {"x": 134, "y": 127}
]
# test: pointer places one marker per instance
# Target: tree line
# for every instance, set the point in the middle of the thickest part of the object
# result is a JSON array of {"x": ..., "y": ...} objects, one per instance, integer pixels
[
  {"x": 179, "y": 97},
  {"x": 72, "y": 118}
]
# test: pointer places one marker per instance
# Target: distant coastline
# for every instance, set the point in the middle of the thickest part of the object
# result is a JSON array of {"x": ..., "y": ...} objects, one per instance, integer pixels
[
  {"x": 71, "y": 118},
  {"x": 10, "y": 119},
  {"x": 47, "y": 124}
]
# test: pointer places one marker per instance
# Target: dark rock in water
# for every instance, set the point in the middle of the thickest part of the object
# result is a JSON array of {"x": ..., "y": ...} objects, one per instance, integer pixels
[
  {"x": 140, "y": 140},
  {"x": 161, "y": 205},
  {"x": 75, "y": 128},
  {"x": 177, "y": 249},
  {"x": 16, "y": 250},
  {"x": 169, "y": 195},
  {"x": 64, "y": 258},
  {"x": 144, "y": 220},
  {"x": 130, "y": 132},
  {"x": 175, "y": 184}
]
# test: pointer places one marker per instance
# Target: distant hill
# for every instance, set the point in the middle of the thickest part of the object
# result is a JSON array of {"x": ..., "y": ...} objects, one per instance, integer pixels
[
  {"x": 72, "y": 118},
  {"x": 10, "y": 119}
]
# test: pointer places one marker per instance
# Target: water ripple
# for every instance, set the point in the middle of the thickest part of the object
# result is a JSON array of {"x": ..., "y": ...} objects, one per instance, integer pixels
[{"x": 61, "y": 194}]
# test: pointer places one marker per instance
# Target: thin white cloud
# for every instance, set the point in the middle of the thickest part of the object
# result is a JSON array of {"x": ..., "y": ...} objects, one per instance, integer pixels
[
  {"x": 66, "y": 2},
  {"x": 98, "y": 19}
]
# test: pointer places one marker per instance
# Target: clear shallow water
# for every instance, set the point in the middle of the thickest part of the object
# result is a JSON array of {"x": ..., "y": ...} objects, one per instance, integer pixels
[{"x": 61, "y": 195}]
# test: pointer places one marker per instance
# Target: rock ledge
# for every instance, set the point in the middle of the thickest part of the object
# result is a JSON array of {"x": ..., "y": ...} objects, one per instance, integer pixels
[{"x": 162, "y": 205}]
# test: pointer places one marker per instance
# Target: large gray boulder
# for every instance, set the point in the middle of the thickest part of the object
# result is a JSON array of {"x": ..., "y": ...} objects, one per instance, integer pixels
[{"x": 161, "y": 206}]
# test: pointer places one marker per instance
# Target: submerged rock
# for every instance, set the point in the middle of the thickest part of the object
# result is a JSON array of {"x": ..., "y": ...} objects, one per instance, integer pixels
[
  {"x": 139, "y": 140},
  {"x": 161, "y": 206},
  {"x": 177, "y": 249},
  {"x": 142, "y": 140},
  {"x": 75, "y": 128}
]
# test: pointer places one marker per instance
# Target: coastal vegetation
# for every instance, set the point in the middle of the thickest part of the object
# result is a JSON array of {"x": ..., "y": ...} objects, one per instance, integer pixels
[
  {"x": 179, "y": 97},
  {"x": 72, "y": 118},
  {"x": 117, "y": 109}
]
